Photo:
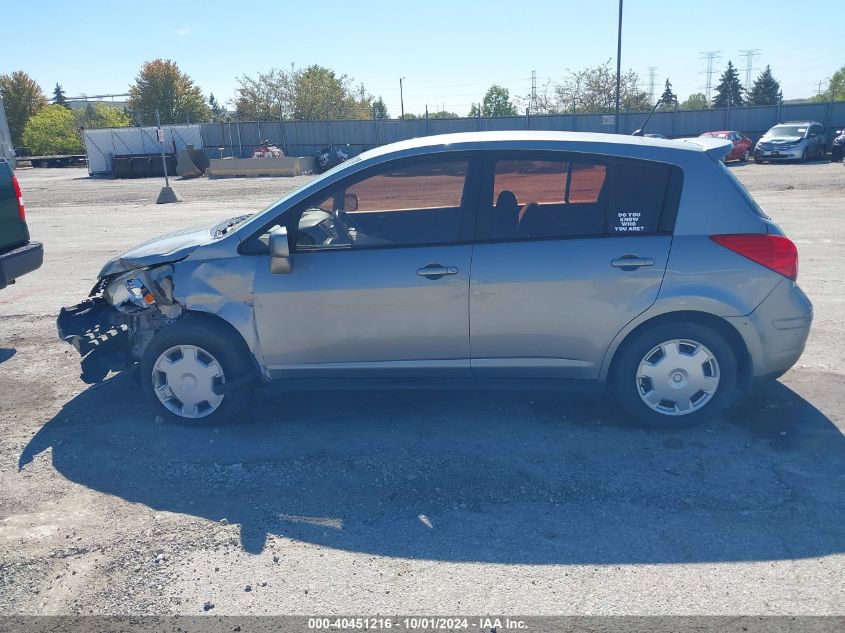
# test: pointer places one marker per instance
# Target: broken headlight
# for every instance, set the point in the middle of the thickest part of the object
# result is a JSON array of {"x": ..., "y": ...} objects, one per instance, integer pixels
[{"x": 134, "y": 290}]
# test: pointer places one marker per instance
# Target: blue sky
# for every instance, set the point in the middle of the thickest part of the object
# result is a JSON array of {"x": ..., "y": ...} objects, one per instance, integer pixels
[{"x": 448, "y": 52}]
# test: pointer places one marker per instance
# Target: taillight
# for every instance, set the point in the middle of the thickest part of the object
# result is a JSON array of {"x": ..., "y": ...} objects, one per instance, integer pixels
[
  {"x": 775, "y": 252},
  {"x": 16, "y": 186}
]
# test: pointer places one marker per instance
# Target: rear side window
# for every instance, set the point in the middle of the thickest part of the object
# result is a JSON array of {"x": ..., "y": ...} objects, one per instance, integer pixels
[
  {"x": 636, "y": 197},
  {"x": 559, "y": 197}
]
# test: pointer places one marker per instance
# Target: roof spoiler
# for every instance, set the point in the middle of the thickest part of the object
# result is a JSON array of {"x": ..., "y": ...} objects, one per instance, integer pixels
[{"x": 715, "y": 148}]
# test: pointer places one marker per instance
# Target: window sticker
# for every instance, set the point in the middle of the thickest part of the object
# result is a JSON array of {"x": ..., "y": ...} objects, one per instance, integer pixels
[{"x": 628, "y": 222}]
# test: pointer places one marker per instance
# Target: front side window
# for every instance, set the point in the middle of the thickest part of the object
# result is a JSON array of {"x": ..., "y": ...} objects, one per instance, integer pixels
[
  {"x": 411, "y": 202},
  {"x": 578, "y": 197}
]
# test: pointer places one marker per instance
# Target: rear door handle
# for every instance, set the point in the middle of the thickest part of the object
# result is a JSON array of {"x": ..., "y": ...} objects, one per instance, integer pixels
[
  {"x": 436, "y": 271},
  {"x": 631, "y": 262}
]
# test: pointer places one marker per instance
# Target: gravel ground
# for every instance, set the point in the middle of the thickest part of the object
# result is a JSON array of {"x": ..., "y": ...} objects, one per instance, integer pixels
[{"x": 407, "y": 502}]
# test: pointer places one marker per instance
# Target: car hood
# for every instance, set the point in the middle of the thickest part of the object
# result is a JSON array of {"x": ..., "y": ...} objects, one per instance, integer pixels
[
  {"x": 781, "y": 140},
  {"x": 160, "y": 250}
]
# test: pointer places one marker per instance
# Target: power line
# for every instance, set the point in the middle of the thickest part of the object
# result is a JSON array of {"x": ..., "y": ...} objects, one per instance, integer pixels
[
  {"x": 749, "y": 54},
  {"x": 711, "y": 57},
  {"x": 652, "y": 73}
]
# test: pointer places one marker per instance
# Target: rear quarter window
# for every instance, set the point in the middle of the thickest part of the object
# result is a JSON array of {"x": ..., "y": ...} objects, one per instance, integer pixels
[{"x": 752, "y": 203}]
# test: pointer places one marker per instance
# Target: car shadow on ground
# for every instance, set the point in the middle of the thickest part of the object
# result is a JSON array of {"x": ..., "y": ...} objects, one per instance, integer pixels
[
  {"x": 505, "y": 477},
  {"x": 6, "y": 353}
]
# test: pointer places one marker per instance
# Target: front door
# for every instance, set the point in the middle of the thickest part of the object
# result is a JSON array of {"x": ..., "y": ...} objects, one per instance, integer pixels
[
  {"x": 380, "y": 278},
  {"x": 570, "y": 249}
]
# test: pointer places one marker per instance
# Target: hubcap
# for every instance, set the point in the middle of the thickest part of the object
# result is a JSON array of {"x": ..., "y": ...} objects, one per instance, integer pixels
[
  {"x": 184, "y": 378},
  {"x": 678, "y": 377}
]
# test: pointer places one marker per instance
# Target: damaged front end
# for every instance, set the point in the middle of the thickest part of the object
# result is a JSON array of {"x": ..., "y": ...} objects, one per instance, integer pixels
[{"x": 113, "y": 326}]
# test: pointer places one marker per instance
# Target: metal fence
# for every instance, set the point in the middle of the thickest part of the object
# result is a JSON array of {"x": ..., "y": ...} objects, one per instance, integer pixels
[{"x": 305, "y": 138}]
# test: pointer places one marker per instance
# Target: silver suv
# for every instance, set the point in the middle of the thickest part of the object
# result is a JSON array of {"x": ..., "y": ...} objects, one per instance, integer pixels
[
  {"x": 533, "y": 257},
  {"x": 793, "y": 140}
]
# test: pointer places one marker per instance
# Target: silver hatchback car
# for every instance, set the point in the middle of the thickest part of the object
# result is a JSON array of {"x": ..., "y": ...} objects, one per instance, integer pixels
[{"x": 526, "y": 256}]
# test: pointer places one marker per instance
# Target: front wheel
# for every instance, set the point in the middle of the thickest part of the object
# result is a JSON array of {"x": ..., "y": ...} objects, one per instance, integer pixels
[
  {"x": 675, "y": 375},
  {"x": 185, "y": 367},
  {"x": 804, "y": 155}
]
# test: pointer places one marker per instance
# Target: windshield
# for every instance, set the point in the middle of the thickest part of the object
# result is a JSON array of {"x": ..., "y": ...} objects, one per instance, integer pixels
[{"x": 780, "y": 131}]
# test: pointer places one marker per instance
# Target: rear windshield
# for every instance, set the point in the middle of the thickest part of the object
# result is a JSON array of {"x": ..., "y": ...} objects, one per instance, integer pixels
[{"x": 743, "y": 191}]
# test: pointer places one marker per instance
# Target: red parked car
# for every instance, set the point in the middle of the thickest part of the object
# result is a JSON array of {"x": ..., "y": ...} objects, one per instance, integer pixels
[{"x": 743, "y": 146}]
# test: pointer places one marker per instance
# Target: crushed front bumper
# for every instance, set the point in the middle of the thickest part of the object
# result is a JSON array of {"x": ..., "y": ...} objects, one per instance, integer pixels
[{"x": 93, "y": 329}]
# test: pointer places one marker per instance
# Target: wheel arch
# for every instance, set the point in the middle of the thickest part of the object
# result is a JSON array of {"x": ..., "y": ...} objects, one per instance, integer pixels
[
  {"x": 720, "y": 325},
  {"x": 217, "y": 321}
]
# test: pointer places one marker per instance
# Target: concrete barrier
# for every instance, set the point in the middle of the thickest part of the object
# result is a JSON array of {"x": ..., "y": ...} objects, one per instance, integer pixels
[{"x": 246, "y": 167}]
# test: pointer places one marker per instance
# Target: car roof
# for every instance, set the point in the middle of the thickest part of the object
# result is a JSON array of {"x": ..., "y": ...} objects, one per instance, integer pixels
[
  {"x": 797, "y": 123},
  {"x": 536, "y": 139}
]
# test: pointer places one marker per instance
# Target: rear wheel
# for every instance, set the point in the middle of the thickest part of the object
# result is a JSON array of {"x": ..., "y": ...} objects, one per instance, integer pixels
[
  {"x": 746, "y": 156},
  {"x": 675, "y": 375},
  {"x": 185, "y": 367}
]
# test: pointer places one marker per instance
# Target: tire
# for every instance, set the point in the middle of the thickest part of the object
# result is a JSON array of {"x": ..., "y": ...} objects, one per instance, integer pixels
[
  {"x": 804, "y": 155},
  {"x": 638, "y": 357},
  {"x": 218, "y": 355},
  {"x": 746, "y": 156},
  {"x": 758, "y": 161}
]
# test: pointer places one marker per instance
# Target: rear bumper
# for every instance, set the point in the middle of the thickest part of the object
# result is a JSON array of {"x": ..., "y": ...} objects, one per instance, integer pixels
[
  {"x": 20, "y": 261},
  {"x": 776, "y": 332}
]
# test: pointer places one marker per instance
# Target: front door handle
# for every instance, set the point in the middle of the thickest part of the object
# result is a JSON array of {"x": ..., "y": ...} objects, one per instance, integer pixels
[
  {"x": 436, "y": 271},
  {"x": 631, "y": 262}
]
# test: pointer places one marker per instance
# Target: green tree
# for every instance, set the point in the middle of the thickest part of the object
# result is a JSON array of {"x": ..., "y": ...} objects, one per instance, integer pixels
[
  {"x": 53, "y": 130},
  {"x": 475, "y": 110},
  {"x": 696, "y": 101},
  {"x": 497, "y": 102},
  {"x": 594, "y": 90},
  {"x": 443, "y": 114},
  {"x": 668, "y": 100},
  {"x": 729, "y": 91},
  {"x": 218, "y": 112},
  {"x": 59, "y": 96},
  {"x": 835, "y": 88},
  {"x": 100, "y": 115},
  {"x": 320, "y": 94},
  {"x": 160, "y": 85},
  {"x": 766, "y": 89},
  {"x": 380, "y": 109},
  {"x": 22, "y": 98},
  {"x": 267, "y": 96}
]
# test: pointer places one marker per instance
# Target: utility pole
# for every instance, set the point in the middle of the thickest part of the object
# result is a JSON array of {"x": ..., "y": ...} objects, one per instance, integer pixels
[
  {"x": 749, "y": 54},
  {"x": 711, "y": 57},
  {"x": 618, "y": 67},
  {"x": 652, "y": 73},
  {"x": 533, "y": 101},
  {"x": 401, "y": 97}
]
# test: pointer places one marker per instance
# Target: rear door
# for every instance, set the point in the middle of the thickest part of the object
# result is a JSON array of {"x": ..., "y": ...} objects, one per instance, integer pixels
[{"x": 569, "y": 249}]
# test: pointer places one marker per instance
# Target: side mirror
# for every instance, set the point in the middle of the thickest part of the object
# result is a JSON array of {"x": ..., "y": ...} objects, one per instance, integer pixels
[
  {"x": 280, "y": 260},
  {"x": 350, "y": 202}
]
